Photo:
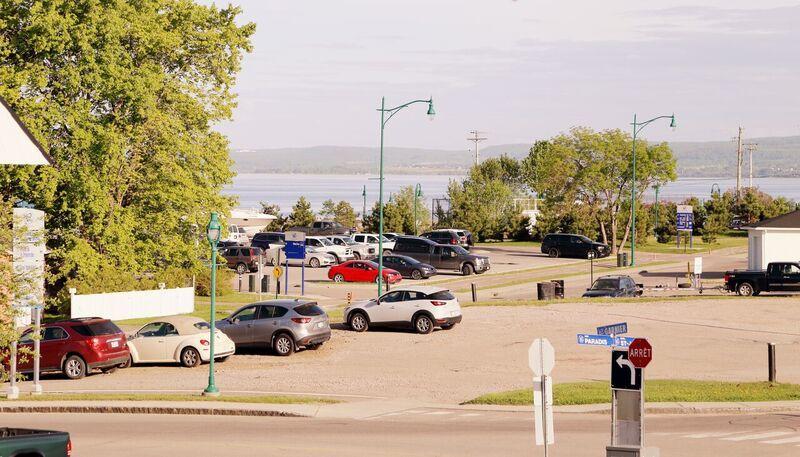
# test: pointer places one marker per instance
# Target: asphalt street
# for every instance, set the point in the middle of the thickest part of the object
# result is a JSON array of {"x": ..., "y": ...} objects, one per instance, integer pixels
[{"x": 419, "y": 432}]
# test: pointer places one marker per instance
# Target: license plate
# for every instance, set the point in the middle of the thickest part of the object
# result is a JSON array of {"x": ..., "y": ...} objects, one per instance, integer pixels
[
  {"x": 114, "y": 344},
  {"x": 320, "y": 324}
]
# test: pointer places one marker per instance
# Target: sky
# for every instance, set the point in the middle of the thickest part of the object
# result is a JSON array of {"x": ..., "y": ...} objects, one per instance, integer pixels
[{"x": 518, "y": 70}]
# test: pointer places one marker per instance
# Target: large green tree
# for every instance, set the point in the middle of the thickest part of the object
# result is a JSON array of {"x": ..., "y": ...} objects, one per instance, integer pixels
[
  {"x": 398, "y": 213},
  {"x": 589, "y": 173},
  {"x": 123, "y": 95},
  {"x": 301, "y": 215}
]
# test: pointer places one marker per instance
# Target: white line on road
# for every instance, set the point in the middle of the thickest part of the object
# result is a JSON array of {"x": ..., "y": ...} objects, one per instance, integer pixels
[
  {"x": 794, "y": 439},
  {"x": 438, "y": 413},
  {"x": 469, "y": 415},
  {"x": 757, "y": 436},
  {"x": 713, "y": 434}
]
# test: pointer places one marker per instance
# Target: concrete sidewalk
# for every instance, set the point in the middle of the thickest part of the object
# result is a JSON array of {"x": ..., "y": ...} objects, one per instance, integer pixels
[{"x": 360, "y": 410}]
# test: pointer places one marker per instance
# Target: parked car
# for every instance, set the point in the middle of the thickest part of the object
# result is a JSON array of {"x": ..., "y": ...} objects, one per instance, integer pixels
[
  {"x": 614, "y": 286},
  {"x": 737, "y": 223},
  {"x": 267, "y": 240},
  {"x": 362, "y": 271},
  {"x": 322, "y": 244},
  {"x": 419, "y": 307},
  {"x": 322, "y": 228},
  {"x": 449, "y": 236},
  {"x": 182, "y": 339},
  {"x": 75, "y": 347},
  {"x": 778, "y": 277},
  {"x": 361, "y": 251},
  {"x": 243, "y": 259},
  {"x": 372, "y": 239},
  {"x": 571, "y": 245},
  {"x": 409, "y": 267},
  {"x": 282, "y": 325},
  {"x": 28, "y": 442},
  {"x": 391, "y": 235},
  {"x": 440, "y": 256}
]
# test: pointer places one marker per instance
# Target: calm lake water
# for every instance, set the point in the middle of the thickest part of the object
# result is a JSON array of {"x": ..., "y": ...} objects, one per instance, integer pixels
[{"x": 285, "y": 189}]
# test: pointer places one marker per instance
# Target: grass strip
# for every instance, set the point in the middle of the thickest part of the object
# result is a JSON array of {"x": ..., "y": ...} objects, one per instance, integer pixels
[
  {"x": 587, "y": 393},
  {"x": 266, "y": 399}
]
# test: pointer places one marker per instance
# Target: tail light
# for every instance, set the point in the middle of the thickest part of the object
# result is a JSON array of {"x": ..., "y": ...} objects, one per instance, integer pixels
[
  {"x": 726, "y": 278},
  {"x": 95, "y": 342},
  {"x": 69, "y": 447},
  {"x": 204, "y": 342},
  {"x": 301, "y": 320},
  {"x": 453, "y": 241},
  {"x": 438, "y": 303}
]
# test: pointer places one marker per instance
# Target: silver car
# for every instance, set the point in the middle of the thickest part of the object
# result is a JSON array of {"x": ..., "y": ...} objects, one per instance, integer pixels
[
  {"x": 361, "y": 251},
  {"x": 282, "y": 325}
]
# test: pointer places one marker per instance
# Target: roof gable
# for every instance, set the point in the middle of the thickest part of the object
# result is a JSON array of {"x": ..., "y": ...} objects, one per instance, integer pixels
[{"x": 788, "y": 220}]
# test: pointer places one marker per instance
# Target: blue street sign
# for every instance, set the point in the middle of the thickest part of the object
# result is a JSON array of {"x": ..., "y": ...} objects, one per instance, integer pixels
[
  {"x": 295, "y": 249},
  {"x": 684, "y": 218},
  {"x": 604, "y": 340},
  {"x": 613, "y": 329}
]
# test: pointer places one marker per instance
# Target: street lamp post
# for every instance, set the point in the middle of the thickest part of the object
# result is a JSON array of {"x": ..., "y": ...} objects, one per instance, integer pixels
[
  {"x": 364, "y": 208},
  {"x": 384, "y": 119},
  {"x": 637, "y": 127},
  {"x": 213, "y": 231},
  {"x": 655, "y": 226},
  {"x": 417, "y": 194}
]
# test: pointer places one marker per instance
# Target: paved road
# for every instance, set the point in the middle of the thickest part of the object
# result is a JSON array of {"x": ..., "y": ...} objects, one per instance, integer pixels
[{"x": 420, "y": 432}]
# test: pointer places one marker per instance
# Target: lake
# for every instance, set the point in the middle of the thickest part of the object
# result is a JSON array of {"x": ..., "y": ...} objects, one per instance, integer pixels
[{"x": 285, "y": 189}]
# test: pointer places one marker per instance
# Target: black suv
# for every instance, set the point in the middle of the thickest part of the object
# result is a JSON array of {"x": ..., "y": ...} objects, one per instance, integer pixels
[
  {"x": 571, "y": 245},
  {"x": 263, "y": 240},
  {"x": 441, "y": 256}
]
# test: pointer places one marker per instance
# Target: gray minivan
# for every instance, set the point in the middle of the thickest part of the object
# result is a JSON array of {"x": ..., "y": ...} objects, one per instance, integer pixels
[{"x": 441, "y": 256}]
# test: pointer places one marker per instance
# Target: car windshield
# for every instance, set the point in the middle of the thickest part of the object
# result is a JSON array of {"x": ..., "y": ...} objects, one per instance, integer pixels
[
  {"x": 325, "y": 242},
  {"x": 585, "y": 239},
  {"x": 309, "y": 309},
  {"x": 348, "y": 241},
  {"x": 606, "y": 284},
  {"x": 97, "y": 328},
  {"x": 372, "y": 264}
]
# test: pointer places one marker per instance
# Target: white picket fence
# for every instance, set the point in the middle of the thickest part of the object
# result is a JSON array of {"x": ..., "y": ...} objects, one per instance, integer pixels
[{"x": 133, "y": 304}]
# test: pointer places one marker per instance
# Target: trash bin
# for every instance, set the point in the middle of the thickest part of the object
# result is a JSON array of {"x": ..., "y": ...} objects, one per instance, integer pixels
[
  {"x": 558, "y": 290},
  {"x": 545, "y": 290},
  {"x": 252, "y": 280},
  {"x": 265, "y": 284},
  {"x": 620, "y": 259},
  {"x": 624, "y": 259}
]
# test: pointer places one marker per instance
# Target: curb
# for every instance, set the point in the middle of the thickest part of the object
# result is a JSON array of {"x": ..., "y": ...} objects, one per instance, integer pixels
[{"x": 107, "y": 409}]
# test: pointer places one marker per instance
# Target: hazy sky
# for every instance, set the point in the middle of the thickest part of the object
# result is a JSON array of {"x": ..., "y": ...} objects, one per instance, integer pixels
[{"x": 519, "y": 70}]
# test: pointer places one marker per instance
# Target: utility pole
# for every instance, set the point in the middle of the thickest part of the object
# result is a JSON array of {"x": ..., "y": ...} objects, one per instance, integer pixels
[
  {"x": 477, "y": 138},
  {"x": 750, "y": 147},
  {"x": 739, "y": 163}
]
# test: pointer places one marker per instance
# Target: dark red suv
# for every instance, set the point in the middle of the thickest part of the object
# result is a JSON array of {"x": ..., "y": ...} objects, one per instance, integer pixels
[{"x": 77, "y": 346}]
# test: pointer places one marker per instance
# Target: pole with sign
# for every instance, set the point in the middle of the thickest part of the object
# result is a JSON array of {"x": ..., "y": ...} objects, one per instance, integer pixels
[
  {"x": 296, "y": 249},
  {"x": 541, "y": 359},
  {"x": 684, "y": 222},
  {"x": 627, "y": 398}
]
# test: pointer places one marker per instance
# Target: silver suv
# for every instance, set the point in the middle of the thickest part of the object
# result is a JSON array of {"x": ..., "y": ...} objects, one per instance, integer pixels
[{"x": 282, "y": 325}]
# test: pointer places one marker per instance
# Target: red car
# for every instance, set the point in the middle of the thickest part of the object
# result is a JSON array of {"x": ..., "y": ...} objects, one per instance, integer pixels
[
  {"x": 362, "y": 271},
  {"x": 76, "y": 347}
]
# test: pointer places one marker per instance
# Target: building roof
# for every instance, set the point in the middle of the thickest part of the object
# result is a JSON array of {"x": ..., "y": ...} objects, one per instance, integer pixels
[
  {"x": 17, "y": 144},
  {"x": 788, "y": 220}
]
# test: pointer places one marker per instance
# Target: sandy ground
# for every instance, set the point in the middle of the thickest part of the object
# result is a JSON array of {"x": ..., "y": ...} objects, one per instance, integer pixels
[{"x": 721, "y": 339}]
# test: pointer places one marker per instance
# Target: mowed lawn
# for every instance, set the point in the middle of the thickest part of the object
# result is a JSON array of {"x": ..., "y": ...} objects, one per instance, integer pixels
[{"x": 586, "y": 393}]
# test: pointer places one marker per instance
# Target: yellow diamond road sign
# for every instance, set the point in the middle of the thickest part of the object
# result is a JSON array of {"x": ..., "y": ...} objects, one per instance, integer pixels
[{"x": 277, "y": 272}]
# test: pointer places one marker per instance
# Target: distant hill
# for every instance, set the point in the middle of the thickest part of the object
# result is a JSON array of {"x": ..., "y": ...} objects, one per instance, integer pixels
[{"x": 774, "y": 156}]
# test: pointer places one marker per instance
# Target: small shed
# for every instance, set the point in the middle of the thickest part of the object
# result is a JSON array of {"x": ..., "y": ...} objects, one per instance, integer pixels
[{"x": 773, "y": 240}]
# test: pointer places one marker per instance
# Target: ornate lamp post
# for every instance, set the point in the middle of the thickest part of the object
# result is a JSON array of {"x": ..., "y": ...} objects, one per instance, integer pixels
[{"x": 213, "y": 232}]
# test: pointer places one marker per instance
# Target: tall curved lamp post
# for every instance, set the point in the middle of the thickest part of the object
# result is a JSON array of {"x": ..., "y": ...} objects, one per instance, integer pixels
[
  {"x": 386, "y": 114},
  {"x": 417, "y": 194},
  {"x": 637, "y": 127},
  {"x": 213, "y": 232}
]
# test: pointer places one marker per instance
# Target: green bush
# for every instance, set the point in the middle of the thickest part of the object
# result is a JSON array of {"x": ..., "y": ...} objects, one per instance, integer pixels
[{"x": 224, "y": 282}]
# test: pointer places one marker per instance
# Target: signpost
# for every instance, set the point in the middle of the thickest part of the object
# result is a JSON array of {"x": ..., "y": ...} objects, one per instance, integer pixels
[
  {"x": 591, "y": 256},
  {"x": 296, "y": 249},
  {"x": 624, "y": 374},
  {"x": 541, "y": 359},
  {"x": 586, "y": 339},
  {"x": 613, "y": 329},
  {"x": 684, "y": 222}
]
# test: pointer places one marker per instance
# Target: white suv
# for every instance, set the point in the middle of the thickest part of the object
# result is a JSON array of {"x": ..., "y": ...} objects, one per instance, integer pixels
[
  {"x": 422, "y": 308},
  {"x": 372, "y": 238},
  {"x": 322, "y": 244},
  {"x": 361, "y": 251}
]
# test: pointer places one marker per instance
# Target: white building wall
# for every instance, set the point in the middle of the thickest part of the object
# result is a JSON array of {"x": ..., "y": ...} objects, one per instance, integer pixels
[
  {"x": 134, "y": 304},
  {"x": 773, "y": 245}
]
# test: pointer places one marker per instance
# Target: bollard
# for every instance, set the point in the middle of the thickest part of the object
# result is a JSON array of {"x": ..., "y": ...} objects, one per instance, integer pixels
[
  {"x": 474, "y": 293},
  {"x": 240, "y": 282},
  {"x": 771, "y": 362}
]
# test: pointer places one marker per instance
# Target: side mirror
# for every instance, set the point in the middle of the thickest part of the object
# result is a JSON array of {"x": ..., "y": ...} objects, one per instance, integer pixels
[{"x": 235, "y": 320}]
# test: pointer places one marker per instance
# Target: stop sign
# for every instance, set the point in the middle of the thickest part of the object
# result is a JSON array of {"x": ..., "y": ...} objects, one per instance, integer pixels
[{"x": 640, "y": 353}]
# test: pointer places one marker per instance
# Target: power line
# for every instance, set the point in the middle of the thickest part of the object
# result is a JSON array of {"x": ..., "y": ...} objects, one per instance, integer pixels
[
  {"x": 477, "y": 138},
  {"x": 750, "y": 147}
]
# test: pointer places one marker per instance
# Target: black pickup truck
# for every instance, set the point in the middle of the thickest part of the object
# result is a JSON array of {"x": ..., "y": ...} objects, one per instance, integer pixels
[
  {"x": 34, "y": 443},
  {"x": 778, "y": 277}
]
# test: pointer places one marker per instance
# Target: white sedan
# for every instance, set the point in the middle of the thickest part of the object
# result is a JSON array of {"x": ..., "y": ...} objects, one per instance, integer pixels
[
  {"x": 420, "y": 307},
  {"x": 183, "y": 339}
]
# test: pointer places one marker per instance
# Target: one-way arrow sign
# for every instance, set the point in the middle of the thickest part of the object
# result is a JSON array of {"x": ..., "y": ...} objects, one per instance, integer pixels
[{"x": 624, "y": 375}]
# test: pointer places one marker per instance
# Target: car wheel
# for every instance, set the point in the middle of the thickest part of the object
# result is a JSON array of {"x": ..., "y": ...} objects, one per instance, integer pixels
[
  {"x": 190, "y": 357},
  {"x": 467, "y": 269},
  {"x": 416, "y": 274},
  {"x": 387, "y": 252},
  {"x": 423, "y": 324},
  {"x": 128, "y": 363},
  {"x": 241, "y": 268},
  {"x": 222, "y": 359},
  {"x": 338, "y": 277},
  {"x": 358, "y": 322},
  {"x": 745, "y": 289},
  {"x": 553, "y": 252},
  {"x": 336, "y": 257},
  {"x": 74, "y": 367},
  {"x": 314, "y": 262},
  {"x": 283, "y": 345},
  {"x": 356, "y": 255}
]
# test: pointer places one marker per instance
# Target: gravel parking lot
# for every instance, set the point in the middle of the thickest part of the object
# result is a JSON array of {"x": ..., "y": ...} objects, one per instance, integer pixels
[{"x": 488, "y": 352}]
